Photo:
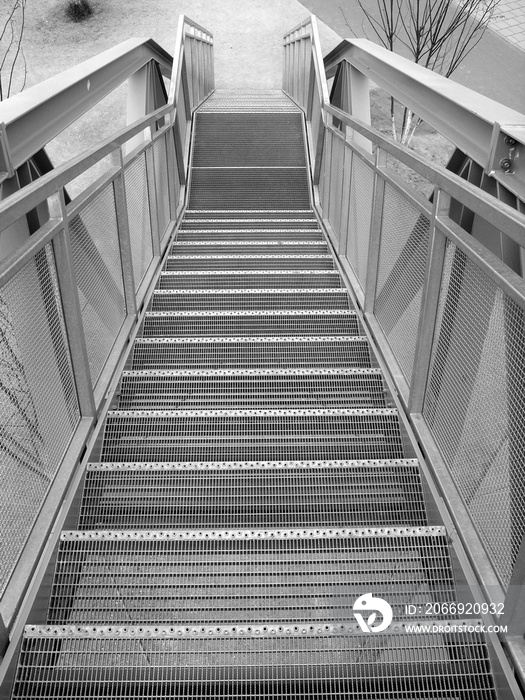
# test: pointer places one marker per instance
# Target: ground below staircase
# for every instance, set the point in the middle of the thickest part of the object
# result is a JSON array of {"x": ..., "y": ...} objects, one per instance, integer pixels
[{"x": 253, "y": 479}]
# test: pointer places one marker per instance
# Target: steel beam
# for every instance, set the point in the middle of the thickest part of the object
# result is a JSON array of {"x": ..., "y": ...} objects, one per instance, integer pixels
[
  {"x": 475, "y": 123},
  {"x": 37, "y": 115}
]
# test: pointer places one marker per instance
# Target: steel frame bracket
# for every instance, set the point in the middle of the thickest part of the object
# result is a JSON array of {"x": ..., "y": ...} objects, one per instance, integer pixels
[
  {"x": 6, "y": 166},
  {"x": 506, "y": 147}
]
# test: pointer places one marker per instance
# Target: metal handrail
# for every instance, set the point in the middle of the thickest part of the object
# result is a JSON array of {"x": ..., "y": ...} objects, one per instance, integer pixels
[
  {"x": 417, "y": 300},
  {"x": 36, "y": 116},
  {"x": 476, "y": 124},
  {"x": 146, "y": 181}
]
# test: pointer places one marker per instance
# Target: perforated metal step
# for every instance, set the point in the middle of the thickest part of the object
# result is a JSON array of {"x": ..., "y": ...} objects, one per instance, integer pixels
[
  {"x": 252, "y": 495},
  {"x": 245, "y": 576},
  {"x": 249, "y": 262},
  {"x": 254, "y": 389},
  {"x": 249, "y": 299},
  {"x": 247, "y": 435},
  {"x": 248, "y": 353},
  {"x": 249, "y": 247},
  {"x": 250, "y": 323},
  {"x": 257, "y": 279},
  {"x": 331, "y": 660}
]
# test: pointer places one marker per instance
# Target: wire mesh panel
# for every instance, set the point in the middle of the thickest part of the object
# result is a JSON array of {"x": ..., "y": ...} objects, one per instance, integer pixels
[
  {"x": 139, "y": 217},
  {"x": 359, "y": 217},
  {"x": 402, "y": 261},
  {"x": 474, "y": 403},
  {"x": 96, "y": 255},
  {"x": 38, "y": 402},
  {"x": 160, "y": 161}
]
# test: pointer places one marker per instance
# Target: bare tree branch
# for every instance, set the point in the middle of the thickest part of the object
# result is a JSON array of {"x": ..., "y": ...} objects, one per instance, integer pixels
[
  {"x": 438, "y": 34},
  {"x": 13, "y": 67}
]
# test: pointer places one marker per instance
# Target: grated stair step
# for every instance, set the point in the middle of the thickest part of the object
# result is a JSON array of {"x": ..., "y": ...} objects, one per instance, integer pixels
[
  {"x": 250, "y": 247},
  {"x": 256, "y": 279},
  {"x": 253, "y": 389},
  {"x": 331, "y": 660},
  {"x": 249, "y": 323},
  {"x": 244, "y": 576},
  {"x": 249, "y": 262},
  {"x": 337, "y": 493},
  {"x": 251, "y": 434},
  {"x": 263, "y": 352},
  {"x": 299, "y": 299}
]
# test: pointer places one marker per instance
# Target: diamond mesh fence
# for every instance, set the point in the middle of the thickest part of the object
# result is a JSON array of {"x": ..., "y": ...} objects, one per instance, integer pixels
[
  {"x": 474, "y": 403},
  {"x": 160, "y": 160},
  {"x": 137, "y": 197},
  {"x": 359, "y": 217},
  {"x": 402, "y": 260},
  {"x": 96, "y": 256},
  {"x": 38, "y": 402}
]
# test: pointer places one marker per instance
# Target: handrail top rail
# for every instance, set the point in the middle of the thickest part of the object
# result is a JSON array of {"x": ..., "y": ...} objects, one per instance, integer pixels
[
  {"x": 195, "y": 25},
  {"x": 22, "y": 201},
  {"x": 358, "y": 51},
  {"x": 37, "y": 115},
  {"x": 19, "y": 105},
  {"x": 479, "y": 126},
  {"x": 302, "y": 24}
]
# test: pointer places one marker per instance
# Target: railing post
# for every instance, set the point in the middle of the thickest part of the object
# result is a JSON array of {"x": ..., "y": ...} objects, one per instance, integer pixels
[
  {"x": 429, "y": 304},
  {"x": 358, "y": 88},
  {"x": 126, "y": 258},
  {"x": 67, "y": 283},
  {"x": 173, "y": 164},
  {"x": 514, "y": 616},
  {"x": 376, "y": 225},
  {"x": 152, "y": 199}
]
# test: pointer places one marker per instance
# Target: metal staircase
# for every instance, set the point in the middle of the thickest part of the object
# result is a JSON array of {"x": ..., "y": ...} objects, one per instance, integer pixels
[{"x": 253, "y": 480}]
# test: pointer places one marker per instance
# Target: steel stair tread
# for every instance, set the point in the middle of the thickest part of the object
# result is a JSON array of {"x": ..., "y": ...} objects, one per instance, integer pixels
[
  {"x": 250, "y": 322},
  {"x": 254, "y": 576},
  {"x": 247, "y": 352},
  {"x": 243, "y": 279},
  {"x": 249, "y": 262},
  {"x": 151, "y": 391},
  {"x": 248, "y": 247},
  {"x": 251, "y": 434},
  {"x": 295, "y": 661},
  {"x": 245, "y": 299},
  {"x": 252, "y": 494}
]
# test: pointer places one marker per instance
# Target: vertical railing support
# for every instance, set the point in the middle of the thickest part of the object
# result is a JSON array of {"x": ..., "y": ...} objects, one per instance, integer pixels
[
  {"x": 429, "y": 304},
  {"x": 376, "y": 225},
  {"x": 67, "y": 283},
  {"x": 173, "y": 167},
  {"x": 358, "y": 91},
  {"x": 126, "y": 257},
  {"x": 152, "y": 199},
  {"x": 514, "y": 616}
]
